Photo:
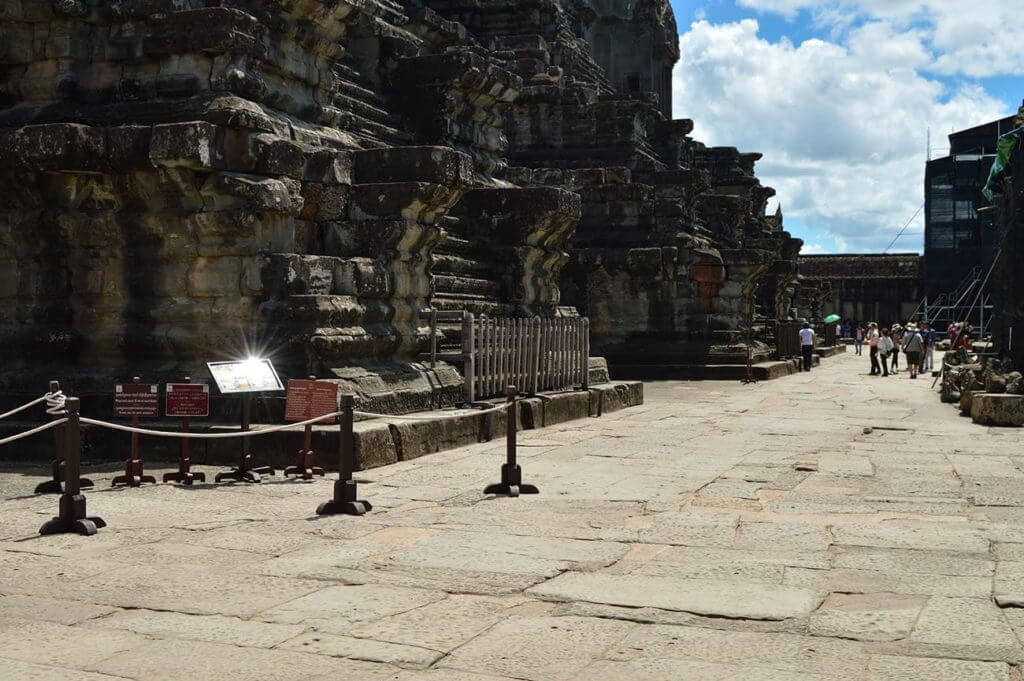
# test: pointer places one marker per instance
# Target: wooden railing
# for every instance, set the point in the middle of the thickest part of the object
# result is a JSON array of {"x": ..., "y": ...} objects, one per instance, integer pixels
[{"x": 534, "y": 354}]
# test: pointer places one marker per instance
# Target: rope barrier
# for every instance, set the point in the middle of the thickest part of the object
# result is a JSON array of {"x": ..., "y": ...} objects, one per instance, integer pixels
[
  {"x": 55, "y": 403},
  {"x": 452, "y": 415},
  {"x": 25, "y": 406},
  {"x": 208, "y": 436},
  {"x": 37, "y": 429}
]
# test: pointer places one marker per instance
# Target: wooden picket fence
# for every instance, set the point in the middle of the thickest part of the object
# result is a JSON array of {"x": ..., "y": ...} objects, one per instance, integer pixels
[{"x": 534, "y": 354}]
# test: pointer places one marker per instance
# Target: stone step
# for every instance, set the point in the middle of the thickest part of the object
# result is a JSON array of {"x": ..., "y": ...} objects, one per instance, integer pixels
[
  {"x": 446, "y": 284},
  {"x": 445, "y": 263},
  {"x": 363, "y": 107}
]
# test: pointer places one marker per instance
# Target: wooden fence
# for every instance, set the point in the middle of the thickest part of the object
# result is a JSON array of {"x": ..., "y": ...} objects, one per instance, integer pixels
[{"x": 534, "y": 354}]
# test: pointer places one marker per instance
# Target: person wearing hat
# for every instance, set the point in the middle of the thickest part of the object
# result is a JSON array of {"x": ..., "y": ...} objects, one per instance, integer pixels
[
  {"x": 895, "y": 334},
  {"x": 873, "y": 348},
  {"x": 807, "y": 341},
  {"x": 928, "y": 350},
  {"x": 913, "y": 344}
]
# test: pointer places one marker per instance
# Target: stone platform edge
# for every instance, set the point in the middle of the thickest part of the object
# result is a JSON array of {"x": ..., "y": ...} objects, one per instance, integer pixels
[
  {"x": 378, "y": 442},
  {"x": 763, "y": 371}
]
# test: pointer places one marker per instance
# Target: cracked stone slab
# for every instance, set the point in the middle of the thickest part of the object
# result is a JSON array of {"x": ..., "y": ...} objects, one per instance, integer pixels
[
  {"x": 913, "y": 561},
  {"x": 539, "y": 649},
  {"x": 718, "y": 598},
  {"x": 970, "y": 628},
  {"x": 898, "y": 668},
  {"x": 210, "y": 628},
  {"x": 363, "y": 649},
  {"x": 335, "y": 609},
  {"x": 867, "y": 617},
  {"x": 780, "y": 653},
  {"x": 50, "y": 609},
  {"x": 27, "y": 671},
  {"x": 162, "y": 660},
  {"x": 913, "y": 535},
  {"x": 60, "y": 645},
  {"x": 443, "y": 625},
  {"x": 877, "y": 581}
]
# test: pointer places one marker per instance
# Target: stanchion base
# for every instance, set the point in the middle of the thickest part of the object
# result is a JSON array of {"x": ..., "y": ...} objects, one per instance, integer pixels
[
  {"x": 245, "y": 475},
  {"x": 133, "y": 481},
  {"x": 184, "y": 478},
  {"x": 305, "y": 473},
  {"x": 57, "y": 487},
  {"x": 86, "y": 526},
  {"x": 335, "y": 507},
  {"x": 502, "y": 489},
  {"x": 511, "y": 484}
]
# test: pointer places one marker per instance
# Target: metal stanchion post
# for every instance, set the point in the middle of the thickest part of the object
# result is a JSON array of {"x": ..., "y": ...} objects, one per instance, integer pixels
[
  {"x": 56, "y": 484},
  {"x": 72, "y": 516},
  {"x": 345, "y": 499},
  {"x": 184, "y": 474},
  {"x": 134, "y": 475},
  {"x": 511, "y": 474}
]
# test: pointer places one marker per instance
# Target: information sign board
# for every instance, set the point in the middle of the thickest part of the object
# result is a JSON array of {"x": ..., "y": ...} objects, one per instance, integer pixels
[
  {"x": 136, "y": 399},
  {"x": 187, "y": 399},
  {"x": 245, "y": 376},
  {"x": 308, "y": 399}
]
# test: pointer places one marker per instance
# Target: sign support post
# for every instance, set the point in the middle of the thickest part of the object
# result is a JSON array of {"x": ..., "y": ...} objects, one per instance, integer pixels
[
  {"x": 309, "y": 399},
  {"x": 246, "y": 376},
  {"x": 191, "y": 407},
  {"x": 134, "y": 475}
]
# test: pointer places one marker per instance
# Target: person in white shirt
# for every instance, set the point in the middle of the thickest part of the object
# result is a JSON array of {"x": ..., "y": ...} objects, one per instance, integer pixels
[
  {"x": 885, "y": 346},
  {"x": 807, "y": 341},
  {"x": 873, "y": 339}
]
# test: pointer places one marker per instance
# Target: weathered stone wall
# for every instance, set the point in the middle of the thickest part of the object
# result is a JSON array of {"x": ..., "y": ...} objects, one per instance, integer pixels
[
  {"x": 1007, "y": 282},
  {"x": 191, "y": 180},
  {"x": 860, "y": 288}
]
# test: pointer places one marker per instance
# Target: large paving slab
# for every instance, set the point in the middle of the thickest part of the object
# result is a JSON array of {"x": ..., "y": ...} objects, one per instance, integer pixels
[{"x": 790, "y": 531}]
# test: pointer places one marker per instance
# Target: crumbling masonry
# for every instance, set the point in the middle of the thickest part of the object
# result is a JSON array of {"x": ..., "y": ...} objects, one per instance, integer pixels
[{"x": 186, "y": 180}]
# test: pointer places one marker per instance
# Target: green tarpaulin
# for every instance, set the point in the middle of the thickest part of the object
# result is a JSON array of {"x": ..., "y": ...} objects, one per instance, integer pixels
[{"x": 1004, "y": 150}]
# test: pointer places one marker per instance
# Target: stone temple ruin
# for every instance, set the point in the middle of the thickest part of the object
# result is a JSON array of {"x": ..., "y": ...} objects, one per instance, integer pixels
[{"x": 186, "y": 180}]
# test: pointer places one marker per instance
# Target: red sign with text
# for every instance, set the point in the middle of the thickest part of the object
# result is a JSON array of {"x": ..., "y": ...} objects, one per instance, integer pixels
[
  {"x": 136, "y": 399},
  {"x": 309, "y": 399},
  {"x": 187, "y": 399}
]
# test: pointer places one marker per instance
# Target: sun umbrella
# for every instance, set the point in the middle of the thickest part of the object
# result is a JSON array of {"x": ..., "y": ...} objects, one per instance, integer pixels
[{"x": 832, "y": 318}]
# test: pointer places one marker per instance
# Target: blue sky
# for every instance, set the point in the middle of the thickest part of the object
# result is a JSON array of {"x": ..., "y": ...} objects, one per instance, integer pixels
[{"x": 840, "y": 95}]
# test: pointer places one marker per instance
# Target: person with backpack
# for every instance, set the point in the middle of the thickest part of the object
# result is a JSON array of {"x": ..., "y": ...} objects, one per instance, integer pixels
[{"x": 913, "y": 344}]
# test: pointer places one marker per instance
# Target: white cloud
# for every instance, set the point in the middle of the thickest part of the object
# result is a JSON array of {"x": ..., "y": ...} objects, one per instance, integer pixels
[
  {"x": 976, "y": 38},
  {"x": 843, "y": 126},
  {"x": 813, "y": 249}
]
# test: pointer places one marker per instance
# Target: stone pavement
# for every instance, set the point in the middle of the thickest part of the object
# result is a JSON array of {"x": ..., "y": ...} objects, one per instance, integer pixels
[{"x": 825, "y": 527}]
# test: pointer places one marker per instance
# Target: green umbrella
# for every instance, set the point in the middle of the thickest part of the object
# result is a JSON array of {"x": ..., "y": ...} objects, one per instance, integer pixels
[{"x": 832, "y": 318}]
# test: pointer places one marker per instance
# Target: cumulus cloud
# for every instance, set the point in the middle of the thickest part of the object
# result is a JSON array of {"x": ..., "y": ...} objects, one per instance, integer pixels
[
  {"x": 843, "y": 124},
  {"x": 977, "y": 38}
]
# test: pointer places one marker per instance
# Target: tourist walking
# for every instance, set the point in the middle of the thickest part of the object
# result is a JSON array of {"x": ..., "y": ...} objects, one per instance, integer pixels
[
  {"x": 807, "y": 340},
  {"x": 928, "y": 349},
  {"x": 873, "y": 340},
  {"x": 913, "y": 344},
  {"x": 885, "y": 347},
  {"x": 894, "y": 336},
  {"x": 858, "y": 341}
]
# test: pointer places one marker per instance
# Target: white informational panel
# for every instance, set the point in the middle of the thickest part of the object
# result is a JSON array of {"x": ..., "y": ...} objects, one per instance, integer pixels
[{"x": 245, "y": 376}]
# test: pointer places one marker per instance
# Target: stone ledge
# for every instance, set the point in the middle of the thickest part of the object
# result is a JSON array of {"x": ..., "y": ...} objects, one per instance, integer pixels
[{"x": 763, "y": 371}]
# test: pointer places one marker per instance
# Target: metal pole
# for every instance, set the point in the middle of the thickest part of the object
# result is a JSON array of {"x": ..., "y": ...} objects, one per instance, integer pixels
[
  {"x": 345, "y": 499},
  {"x": 511, "y": 484}
]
